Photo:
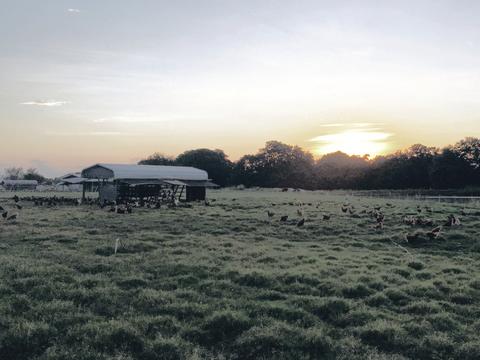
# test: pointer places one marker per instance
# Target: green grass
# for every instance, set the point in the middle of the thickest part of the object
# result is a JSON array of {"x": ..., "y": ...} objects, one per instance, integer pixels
[{"x": 227, "y": 282}]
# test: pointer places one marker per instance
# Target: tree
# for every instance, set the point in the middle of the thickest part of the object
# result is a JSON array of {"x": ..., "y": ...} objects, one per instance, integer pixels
[
  {"x": 339, "y": 170},
  {"x": 32, "y": 174},
  {"x": 157, "y": 159},
  {"x": 450, "y": 170},
  {"x": 214, "y": 162},
  {"x": 469, "y": 150},
  {"x": 14, "y": 173},
  {"x": 409, "y": 169},
  {"x": 276, "y": 165}
]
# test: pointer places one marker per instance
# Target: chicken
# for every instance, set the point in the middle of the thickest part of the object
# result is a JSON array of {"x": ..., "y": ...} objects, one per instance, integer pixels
[{"x": 12, "y": 217}]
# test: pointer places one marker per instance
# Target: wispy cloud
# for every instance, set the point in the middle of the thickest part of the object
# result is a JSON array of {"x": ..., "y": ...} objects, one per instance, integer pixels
[
  {"x": 90, "y": 133},
  {"x": 125, "y": 119},
  {"x": 71, "y": 10},
  {"x": 351, "y": 125},
  {"x": 147, "y": 118},
  {"x": 333, "y": 125},
  {"x": 45, "y": 103}
]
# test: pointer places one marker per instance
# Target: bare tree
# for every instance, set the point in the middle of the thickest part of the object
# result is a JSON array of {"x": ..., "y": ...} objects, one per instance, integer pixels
[{"x": 14, "y": 173}]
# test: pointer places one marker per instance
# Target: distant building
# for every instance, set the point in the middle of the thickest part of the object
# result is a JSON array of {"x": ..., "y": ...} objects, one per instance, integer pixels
[
  {"x": 14, "y": 185},
  {"x": 119, "y": 182},
  {"x": 75, "y": 182}
]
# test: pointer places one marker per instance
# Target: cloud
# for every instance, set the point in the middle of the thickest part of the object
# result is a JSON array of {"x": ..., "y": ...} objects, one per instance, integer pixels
[
  {"x": 125, "y": 119},
  {"x": 48, "y": 103},
  {"x": 91, "y": 133},
  {"x": 333, "y": 125},
  {"x": 146, "y": 118},
  {"x": 71, "y": 10}
]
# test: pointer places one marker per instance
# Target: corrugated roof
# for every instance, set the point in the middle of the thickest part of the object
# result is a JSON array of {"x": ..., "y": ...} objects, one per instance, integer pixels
[
  {"x": 125, "y": 171},
  {"x": 74, "y": 180},
  {"x": 175, "y": 182}
]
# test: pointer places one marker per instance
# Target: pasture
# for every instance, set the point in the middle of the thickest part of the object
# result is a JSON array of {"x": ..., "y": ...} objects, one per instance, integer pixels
[{"x": 227, "y": 281}]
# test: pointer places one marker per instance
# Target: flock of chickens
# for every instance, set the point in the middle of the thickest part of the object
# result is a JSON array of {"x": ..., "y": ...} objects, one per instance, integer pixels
[
  {"x": 378, "y": 215},
  {"x": 375, "y": 213},
  {"x": 7, "y": 215}
]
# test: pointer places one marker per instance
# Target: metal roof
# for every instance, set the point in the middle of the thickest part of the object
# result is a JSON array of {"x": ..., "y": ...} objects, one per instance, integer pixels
[
  {"x": 74, "y": 180},
  {"x": 71, "y": 176},
  {"x": 125, "y": 171}
]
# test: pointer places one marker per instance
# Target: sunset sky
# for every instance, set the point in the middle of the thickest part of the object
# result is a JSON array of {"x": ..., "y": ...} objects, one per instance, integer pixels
[{"x": 92, "y": 81}]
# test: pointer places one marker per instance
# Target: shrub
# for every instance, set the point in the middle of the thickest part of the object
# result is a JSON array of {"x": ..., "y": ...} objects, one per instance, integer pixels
[
  {"x": 159, "y": 325},
  {"x": 165, "y": 349},
  {"x": 422, "y": 307},
  {"x": 254, "y": 279},
  {"x": 469, "y": 351},
  {"x": 284, "y": 312},
  {"x": 358, "y": 317},
  {"x": 386, "y": 336},
  {"x": 331, "y": 309},
  {"x": 461, "y": 298},
  {"x": 114, "y": 336},
  {"x": 24, "y": 340},
  {"x": 224, "y": 326},
  {"x": 281, "y": 341},
  {"x": 131, "y": 283},
  {"x": 377, "y": 299},
  {"x": 475, "y": 284},
  {"x": 357, "y": 291},
  {"x": 416, "y": 265},
  {"x": 437, "y": 346},
  {"x": 443, "y": 322},
  {"x": 398, "y": 297}
]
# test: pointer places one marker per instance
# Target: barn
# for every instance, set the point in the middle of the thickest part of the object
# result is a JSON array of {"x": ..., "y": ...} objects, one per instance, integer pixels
[
  {"x": 75, "y": 182},
  {"x": 124, "y": 182}
]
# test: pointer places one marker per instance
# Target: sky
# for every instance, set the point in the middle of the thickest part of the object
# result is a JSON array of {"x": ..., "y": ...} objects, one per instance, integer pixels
[{"x": 91, "y": 81}]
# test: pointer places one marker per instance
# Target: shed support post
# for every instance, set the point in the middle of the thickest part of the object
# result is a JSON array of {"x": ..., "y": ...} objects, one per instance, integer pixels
[
  {"x": 83, "y": 192},
  {"x": 181, "y": 192}
]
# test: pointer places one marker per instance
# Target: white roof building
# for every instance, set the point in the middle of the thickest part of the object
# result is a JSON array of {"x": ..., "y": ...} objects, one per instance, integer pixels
[
  {"x": 19, "y": 182},
  {"x": 144, "y": 172}
]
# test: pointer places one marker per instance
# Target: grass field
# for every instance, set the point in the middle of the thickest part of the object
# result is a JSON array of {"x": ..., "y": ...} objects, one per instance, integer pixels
[{"x": 227, "y": 282}]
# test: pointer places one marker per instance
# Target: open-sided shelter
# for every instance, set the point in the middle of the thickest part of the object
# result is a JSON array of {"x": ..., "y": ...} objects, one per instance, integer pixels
[{"x": 123, "y": 182}]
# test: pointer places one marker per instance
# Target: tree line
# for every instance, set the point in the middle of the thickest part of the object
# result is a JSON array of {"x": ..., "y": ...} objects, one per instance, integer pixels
[
  {"x": 18, "y": 173},
  {"x": 286, "y": 166}
]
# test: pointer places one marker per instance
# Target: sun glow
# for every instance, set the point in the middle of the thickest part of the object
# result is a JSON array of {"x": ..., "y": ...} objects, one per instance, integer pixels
[{"x": 353, "y": 142}]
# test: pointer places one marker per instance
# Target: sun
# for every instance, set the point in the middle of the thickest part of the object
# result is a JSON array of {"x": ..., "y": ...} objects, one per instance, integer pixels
[{"x": 353, "y": 142}]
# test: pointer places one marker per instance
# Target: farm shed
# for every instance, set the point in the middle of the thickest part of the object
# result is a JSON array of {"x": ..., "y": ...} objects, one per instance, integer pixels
[
  {"x": 75, "y": 182},
  {"x": 14, "y": 185},
  {"x": 123, "y": 182}
]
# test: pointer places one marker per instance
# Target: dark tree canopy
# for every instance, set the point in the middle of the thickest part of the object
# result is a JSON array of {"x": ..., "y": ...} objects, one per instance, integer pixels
[
  {"x": 215, "y": 162},
  {"x": 451, "y": 170},
  {"x": 469, "y": 149},
  {"x": 281, "y": 165},
  {"x": 32, "y": 174},
  {"x": 339, "y": 170},
  {"x": 157, "y": 159},
  {"x": 276, "y": 165}
]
